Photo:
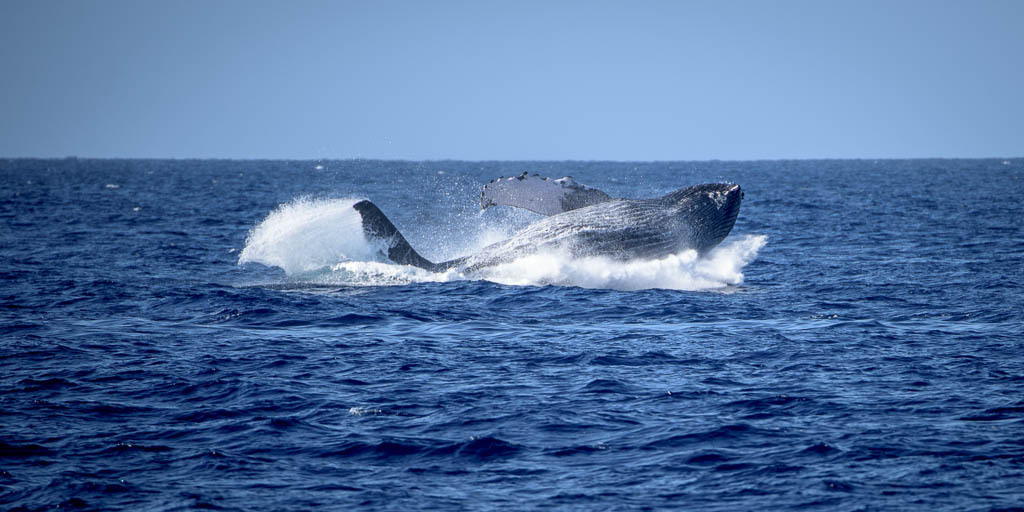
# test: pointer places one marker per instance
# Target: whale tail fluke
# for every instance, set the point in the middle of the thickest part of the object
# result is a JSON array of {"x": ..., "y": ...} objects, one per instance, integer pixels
[{"x": 378, "y": 228}]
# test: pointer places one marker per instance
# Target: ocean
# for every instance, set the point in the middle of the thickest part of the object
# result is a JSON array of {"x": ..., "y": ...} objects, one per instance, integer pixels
[{"x": 214, "y": 334}]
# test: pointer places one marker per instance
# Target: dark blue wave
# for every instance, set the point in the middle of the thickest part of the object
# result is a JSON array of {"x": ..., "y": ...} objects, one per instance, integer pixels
[{"x": 872, "y": 358}]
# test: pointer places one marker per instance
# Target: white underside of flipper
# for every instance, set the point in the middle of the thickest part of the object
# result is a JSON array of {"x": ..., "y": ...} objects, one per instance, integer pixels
[{"x": 545, "y": 196}]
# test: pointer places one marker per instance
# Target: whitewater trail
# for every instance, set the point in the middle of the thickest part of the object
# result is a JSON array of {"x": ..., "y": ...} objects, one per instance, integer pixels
[{"x": 321, "y": 242}]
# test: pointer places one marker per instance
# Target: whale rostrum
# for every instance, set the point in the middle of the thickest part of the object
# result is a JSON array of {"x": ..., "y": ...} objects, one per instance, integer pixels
[{"x": 582, "y": 220}]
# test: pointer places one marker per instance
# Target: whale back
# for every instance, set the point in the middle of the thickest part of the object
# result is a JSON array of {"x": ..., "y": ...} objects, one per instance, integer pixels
[{"x": 696, "y": 218}]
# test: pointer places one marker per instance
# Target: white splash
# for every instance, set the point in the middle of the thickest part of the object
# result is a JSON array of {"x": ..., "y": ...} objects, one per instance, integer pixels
[
  {"x": 321, "y": 242},
  {"x": 722, "y": 267},
  {"x": 309, "y": 234},
  {"x": 362, "y": 411},
  {"x": 372, "y": 273}
]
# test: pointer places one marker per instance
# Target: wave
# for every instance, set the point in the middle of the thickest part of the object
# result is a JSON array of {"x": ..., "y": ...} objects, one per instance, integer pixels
[{"x": 320, "y": 242}]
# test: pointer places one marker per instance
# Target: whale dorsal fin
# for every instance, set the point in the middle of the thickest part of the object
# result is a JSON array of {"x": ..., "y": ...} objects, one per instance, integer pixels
[{"x": 542, "y": 195}]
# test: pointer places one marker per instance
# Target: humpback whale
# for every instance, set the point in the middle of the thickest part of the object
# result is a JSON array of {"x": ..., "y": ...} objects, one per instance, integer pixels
[{"x": 581, "y": 219}]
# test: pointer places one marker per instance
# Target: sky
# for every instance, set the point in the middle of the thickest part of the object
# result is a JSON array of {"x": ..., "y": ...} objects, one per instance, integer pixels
[{"x": 512, "y": 80}]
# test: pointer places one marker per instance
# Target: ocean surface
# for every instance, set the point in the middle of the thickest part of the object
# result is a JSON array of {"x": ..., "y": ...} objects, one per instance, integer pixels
[{"x": 182, "y": 334}]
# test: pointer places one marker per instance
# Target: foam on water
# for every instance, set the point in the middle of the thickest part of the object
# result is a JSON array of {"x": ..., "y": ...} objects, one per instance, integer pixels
[
  {"x": 321, "y": 242},
  {"x": 373, "y": 273},
  {"x": 683, "y": 271}
]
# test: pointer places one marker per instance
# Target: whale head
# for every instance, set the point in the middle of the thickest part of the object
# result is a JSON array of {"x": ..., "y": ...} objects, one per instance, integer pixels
[{"x": 709, "y": 210}]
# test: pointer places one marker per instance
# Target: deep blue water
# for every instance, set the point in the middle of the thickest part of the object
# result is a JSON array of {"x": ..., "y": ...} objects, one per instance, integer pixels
[{"x": 865, "y": 353}]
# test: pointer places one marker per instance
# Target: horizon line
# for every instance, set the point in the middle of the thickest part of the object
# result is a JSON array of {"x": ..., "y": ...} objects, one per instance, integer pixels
[{"x": 428, "y": 160}]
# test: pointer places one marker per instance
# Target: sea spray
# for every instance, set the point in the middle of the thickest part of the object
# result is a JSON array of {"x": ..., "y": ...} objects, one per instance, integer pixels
[
  {"x": 309, "y": 234},
  {"x": 722, "y": 267},
  {"x": 321, "y": 242}
]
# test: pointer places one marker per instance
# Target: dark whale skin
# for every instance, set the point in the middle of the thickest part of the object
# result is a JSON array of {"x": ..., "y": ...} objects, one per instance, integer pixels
[{"x": 697, "y": 217}]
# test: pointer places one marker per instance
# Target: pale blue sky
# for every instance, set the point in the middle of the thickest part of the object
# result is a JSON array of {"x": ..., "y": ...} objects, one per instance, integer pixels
[{"x": 481, "y": 80}]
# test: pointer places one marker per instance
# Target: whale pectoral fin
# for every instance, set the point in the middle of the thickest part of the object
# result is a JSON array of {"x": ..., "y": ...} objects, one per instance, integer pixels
[
  {"x": 542, "y": 195},
  {"x": 378, "y": 229}
]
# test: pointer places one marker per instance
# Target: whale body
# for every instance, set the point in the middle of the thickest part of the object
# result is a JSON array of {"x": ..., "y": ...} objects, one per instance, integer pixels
[{"x": 583, "y": 221}]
